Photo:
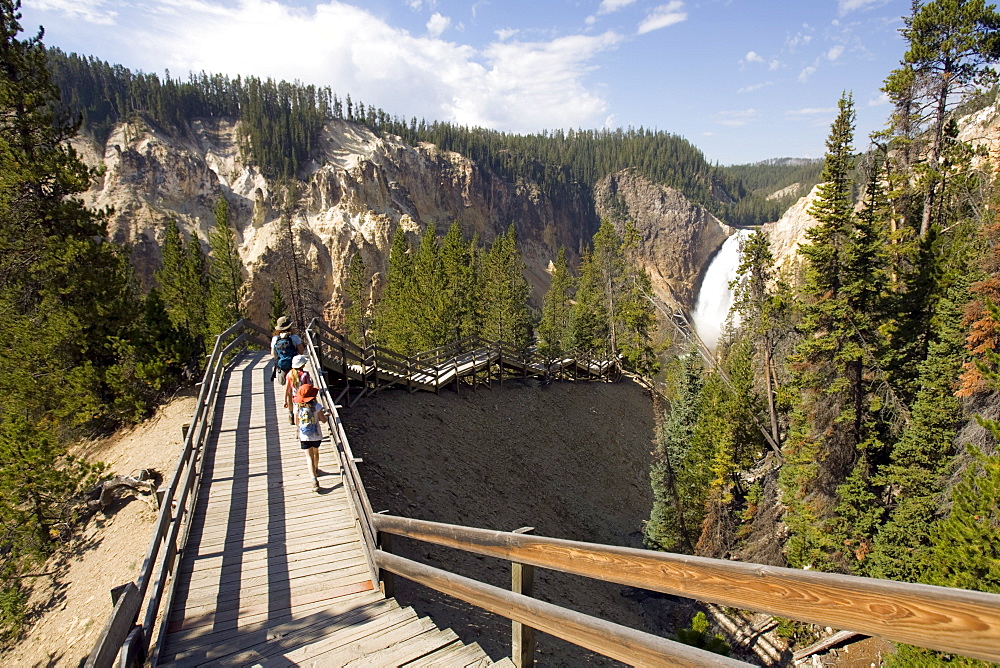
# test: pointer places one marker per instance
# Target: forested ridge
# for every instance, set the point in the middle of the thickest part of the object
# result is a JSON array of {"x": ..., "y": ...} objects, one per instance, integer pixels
[{"x": 281, "y": 123}]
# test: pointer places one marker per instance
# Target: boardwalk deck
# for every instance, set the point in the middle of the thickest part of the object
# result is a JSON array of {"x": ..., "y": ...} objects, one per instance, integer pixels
[{"x": 274, "y": 573}]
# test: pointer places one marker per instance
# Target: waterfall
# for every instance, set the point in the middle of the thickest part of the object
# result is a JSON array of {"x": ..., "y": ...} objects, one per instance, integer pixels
[{"x": 715, "y": 298}]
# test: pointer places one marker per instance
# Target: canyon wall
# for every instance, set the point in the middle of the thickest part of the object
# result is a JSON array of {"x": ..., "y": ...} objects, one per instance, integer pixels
[{"x": 358, "y": 191}]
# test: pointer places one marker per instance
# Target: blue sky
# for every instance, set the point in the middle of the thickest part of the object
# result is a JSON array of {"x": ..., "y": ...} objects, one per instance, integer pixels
[{"x": 744, "y": 80}]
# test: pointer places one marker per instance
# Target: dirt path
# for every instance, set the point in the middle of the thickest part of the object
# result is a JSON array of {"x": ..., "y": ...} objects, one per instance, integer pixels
[{"x": 72, "y": 602}]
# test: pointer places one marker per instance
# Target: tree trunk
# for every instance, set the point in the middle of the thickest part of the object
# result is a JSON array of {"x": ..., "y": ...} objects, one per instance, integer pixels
[{"x": 935, "y": 152}]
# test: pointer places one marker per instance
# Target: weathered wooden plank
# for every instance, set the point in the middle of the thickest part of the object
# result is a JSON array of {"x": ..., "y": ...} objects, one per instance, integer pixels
[
  {"x": 235, "y": 595},
  {"x": 443, "y": 656},
  {"x": 247, "y": 624},
  {"x": 263, "y": 563},
  {"x": 344, "y": 643},
  {"x": 366, "y": 649},
  {"x": 264, "y": 575},
  {"x": 300, "y": 646},
  {"x": 461, "y": 655},
  {"x": 251, "y": 532},
  {"x": 245, "y": 593},
  {"x": 210, "y": 615},
  {"x": 236, "y": 542},
  {"x": 414, "y": 648},
  {"x": 116, "y": 629},
  {"x": 247, "y": 649}
]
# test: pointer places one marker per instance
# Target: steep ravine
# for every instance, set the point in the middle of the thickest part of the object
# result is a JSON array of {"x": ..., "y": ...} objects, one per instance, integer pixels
[{"x": 571, "y": 460}]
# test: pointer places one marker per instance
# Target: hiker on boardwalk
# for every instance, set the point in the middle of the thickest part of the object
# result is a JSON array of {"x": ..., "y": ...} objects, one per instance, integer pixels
[
  {"x": 297, "y": 377},
  {"x": 285, "y": 345},
  {"x": 308, "y": 414}
]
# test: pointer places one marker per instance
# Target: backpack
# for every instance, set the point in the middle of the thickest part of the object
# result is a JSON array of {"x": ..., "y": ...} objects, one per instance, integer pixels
[
  {"x": 309, "y": 429},
  {"x": 285, "y": 349}
]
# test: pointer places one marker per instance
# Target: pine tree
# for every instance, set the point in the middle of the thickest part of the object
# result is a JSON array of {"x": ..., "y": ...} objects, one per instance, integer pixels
[
  {"x": 675, "y": 519},
  {"x": 760, "y": 299},
  {"x": 832, "y": 424},
  {"x": 356, "y": 319},
  {"x": 951, "y": 45},
  {"x": 226, "y": 284},
  {"x": 506, "y": 292},
  {"x": 430, "y": 299},
  {"x": 278, "y": 307},
  {"x": 395, "y": 327},
  {"x": 554, "y": 328},
  {"x": 459, "y": 268},
  {"x": 64, "y": 294},
  {"x": 612, "y": 314}
]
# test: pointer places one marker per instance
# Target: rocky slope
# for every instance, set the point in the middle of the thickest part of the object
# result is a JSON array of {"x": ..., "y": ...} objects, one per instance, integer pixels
[
  {"x": 354, "y": 197},
  {"x": 787, "y": 233},
  {"x": 677, "y": 237}
]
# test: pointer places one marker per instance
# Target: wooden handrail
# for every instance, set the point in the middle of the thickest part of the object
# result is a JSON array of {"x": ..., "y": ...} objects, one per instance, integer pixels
[
  {"x": 173, "y": 512},
  {"x": 619, "y": 642},
  {"x": 950, "y": 620}
]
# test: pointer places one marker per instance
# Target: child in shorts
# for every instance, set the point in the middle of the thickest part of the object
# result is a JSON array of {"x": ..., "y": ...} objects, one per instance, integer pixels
[{"x": 309, "y": 413}]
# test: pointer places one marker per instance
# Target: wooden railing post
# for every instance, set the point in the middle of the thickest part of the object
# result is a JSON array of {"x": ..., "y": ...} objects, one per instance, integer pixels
[
  {"x": 386, "y": 578},
  {"x": 347, "y": 378},
  {"x": 522, "y": 581}
]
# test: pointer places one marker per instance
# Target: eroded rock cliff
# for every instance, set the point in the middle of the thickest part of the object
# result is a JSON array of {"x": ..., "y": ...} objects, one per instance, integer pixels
[
  {"x": 677, "y": 237},
  {"x": 360, "y": 189}
]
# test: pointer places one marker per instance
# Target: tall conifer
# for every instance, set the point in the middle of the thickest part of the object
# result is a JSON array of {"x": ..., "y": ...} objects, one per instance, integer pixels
[
  {"x": 554, "y": 328},
  {"x": 226, "y": 284}
]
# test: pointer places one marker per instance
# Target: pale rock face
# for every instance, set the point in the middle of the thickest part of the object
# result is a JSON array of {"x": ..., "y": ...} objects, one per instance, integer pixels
[
  {"x": 982, "y": 129},
  {"x": 677, "y": 237},
  {"x": 788, "y": 233},
  {"x": 360, "y": 190},
  {"x": 787, "y": 191}
]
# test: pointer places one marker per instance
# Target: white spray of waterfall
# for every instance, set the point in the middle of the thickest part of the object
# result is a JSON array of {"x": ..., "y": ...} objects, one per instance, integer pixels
[{"x": 715, "y": 298}]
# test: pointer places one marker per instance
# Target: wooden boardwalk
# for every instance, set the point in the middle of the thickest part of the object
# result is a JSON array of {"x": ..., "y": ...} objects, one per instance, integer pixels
[{"x": 274, "y": 573}]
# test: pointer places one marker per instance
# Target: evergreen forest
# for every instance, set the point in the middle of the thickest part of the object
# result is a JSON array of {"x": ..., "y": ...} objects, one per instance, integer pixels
[{"x": 852, "y": 413}]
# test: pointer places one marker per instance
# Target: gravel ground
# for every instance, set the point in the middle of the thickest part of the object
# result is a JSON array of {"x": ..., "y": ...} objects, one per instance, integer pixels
[{"x": 570, "y": 459}]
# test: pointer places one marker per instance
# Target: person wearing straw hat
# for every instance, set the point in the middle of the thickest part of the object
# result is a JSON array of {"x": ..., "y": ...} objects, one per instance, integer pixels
[
  {"x": 296, "y": 377},
  {"x": 309, "y": 413},
  {"x": 285, "y": 345}
]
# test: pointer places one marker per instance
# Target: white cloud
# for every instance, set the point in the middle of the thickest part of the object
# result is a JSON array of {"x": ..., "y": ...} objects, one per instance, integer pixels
[
  {"x": 846, "y": 6},
  {"x": 879, "y": 100},
  {"x": 505, "y": 33},
  {"x": 609, "y": 6},
  {"x": 773, "y": 65},
  {"x": 757, "y": 86},
  {"x": 96, "y": 11},
  {"x": 835, "y": 52},
  {"x": 736, "y": 119},
  {"x": 516, "y": 86},
  {"x": 663, "y": 16},
  {"x": 806, "y": 73},
  {"x": 753, "y": 57},
  {"x": 437, "y": 24},
  {"x": 799, "y": 39},
  {"x": 807, "y": 112}
]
